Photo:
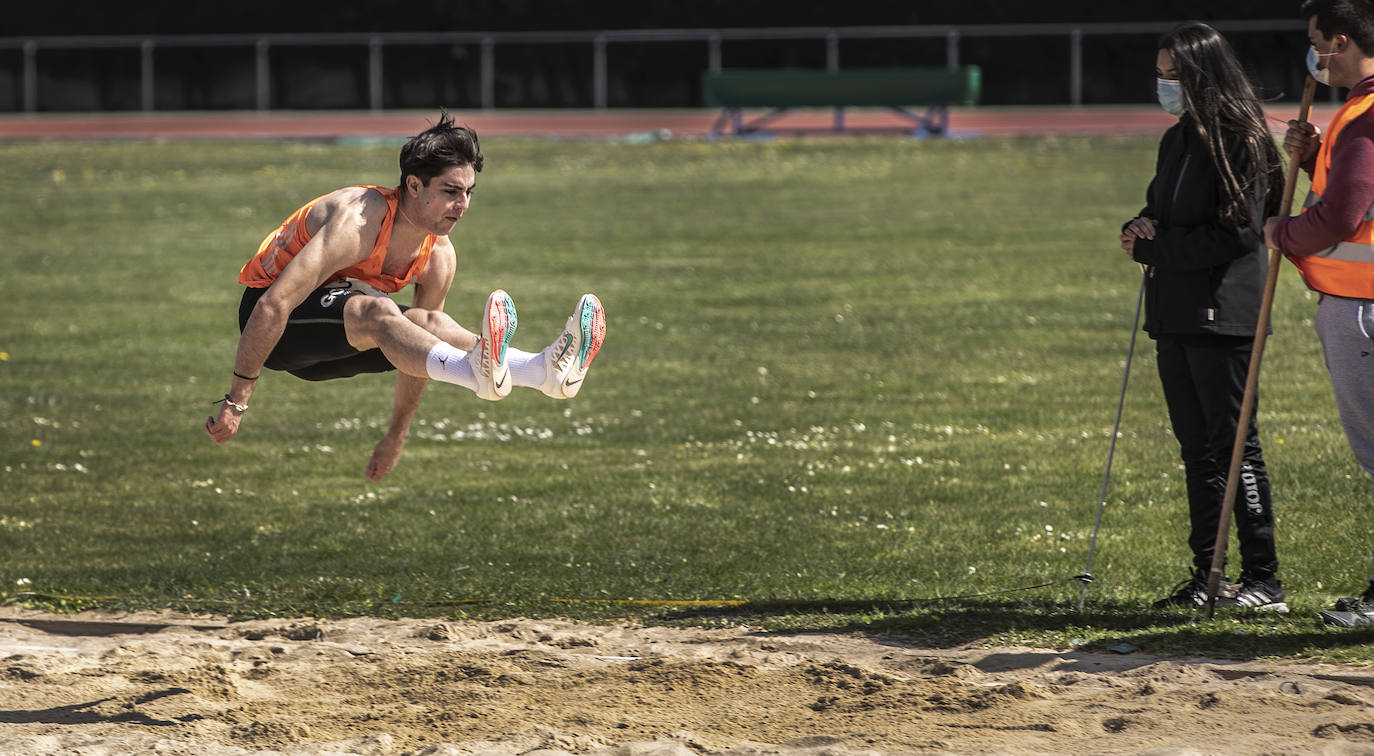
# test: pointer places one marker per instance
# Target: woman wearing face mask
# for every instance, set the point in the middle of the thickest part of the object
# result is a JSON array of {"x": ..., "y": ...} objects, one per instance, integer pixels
[{"x": 1200, "y": 238}]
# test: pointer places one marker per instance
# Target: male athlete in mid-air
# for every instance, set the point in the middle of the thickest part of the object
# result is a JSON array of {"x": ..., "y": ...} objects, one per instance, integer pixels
[{"x": 316, "y": 303}]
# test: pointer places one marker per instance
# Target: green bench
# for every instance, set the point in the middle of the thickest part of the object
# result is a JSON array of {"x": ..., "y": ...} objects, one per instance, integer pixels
[{"x": 783, "y": 88}]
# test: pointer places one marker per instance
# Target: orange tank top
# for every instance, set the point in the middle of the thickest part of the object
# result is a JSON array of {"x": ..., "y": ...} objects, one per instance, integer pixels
[{"x": 280, "y": 246}]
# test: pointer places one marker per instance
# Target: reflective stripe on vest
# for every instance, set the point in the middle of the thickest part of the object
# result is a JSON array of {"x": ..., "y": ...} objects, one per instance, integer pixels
[{"x": 1347, "y": 268}]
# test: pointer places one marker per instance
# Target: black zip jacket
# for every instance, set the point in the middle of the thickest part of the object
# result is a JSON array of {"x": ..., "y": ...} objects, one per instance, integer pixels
[{"x": 1206, "y": 275}]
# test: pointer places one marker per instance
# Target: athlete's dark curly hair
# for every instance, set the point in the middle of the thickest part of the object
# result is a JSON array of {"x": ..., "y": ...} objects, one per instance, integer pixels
[
  {"x": 440, "y": 147},
  {"x": 1226, "y": 112}
]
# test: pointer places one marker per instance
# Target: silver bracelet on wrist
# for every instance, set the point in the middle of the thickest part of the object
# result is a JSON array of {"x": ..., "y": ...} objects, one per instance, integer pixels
[{"x": 240, "y": 408}]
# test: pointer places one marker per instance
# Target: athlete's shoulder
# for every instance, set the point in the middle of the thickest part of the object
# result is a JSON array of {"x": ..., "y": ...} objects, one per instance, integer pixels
[
  {"x": 353, "y": 205},
  {"x": 443, "y": 259}
]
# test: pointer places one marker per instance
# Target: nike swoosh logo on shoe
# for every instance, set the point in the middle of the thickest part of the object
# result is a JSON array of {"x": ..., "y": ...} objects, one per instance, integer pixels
[
  {"x": 572, "y": 382},
  {"x": 502, "y": 381}
]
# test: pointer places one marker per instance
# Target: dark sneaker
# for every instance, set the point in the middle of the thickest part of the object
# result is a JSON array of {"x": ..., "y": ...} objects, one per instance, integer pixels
[
  {"x": 1339, "y": 618},
  {"x": 1352, "y": 604},
  {"x": 1263, "y": 594},
  {"x": 1192, "y": 593}
]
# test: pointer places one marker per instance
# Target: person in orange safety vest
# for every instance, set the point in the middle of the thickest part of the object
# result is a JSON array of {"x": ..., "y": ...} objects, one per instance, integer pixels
[{"x": 1332, "y": 241}]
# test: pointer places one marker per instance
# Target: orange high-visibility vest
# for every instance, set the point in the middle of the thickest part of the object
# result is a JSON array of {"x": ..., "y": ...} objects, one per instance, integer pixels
[
  {"x": 281, "y": 246},
  {"x": 1347, "y": 269}
]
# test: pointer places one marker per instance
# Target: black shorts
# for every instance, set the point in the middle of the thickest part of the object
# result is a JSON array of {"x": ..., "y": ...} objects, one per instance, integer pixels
[{"x": 314, "y": 345}]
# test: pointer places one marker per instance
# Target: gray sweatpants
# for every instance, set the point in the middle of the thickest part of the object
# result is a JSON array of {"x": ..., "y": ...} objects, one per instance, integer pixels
[{"x": 1346, "y": 329}]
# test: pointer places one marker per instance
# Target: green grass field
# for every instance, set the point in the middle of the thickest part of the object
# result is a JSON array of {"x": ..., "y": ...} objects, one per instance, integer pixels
[{"x": 876, "y": 371}]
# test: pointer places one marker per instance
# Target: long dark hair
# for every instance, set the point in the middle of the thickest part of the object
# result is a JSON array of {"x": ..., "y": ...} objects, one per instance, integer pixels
[{"x": 1222, "y": 102}]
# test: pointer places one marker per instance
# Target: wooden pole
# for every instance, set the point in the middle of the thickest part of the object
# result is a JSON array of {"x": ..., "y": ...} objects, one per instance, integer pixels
[{"x": 1247, "y": 404}]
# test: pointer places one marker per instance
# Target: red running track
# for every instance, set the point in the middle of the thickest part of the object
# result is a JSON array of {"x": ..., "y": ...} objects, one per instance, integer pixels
[{"x": 587, "y": 124}]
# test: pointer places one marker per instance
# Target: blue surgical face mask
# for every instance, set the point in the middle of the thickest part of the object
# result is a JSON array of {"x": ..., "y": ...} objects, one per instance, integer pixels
[
  {"x": 1323, "y": 76},
  {"x": 1169, "y": 92}
]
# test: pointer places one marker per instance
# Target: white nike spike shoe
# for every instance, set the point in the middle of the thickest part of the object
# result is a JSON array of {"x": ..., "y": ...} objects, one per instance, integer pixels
[
  {"x": 488, "y": 358},
  {"x": 566, "y": 360}
]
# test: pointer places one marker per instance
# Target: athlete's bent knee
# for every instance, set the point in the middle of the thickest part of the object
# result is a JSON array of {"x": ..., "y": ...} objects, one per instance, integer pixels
[
  {"x": 430, "y": 320},
  {"x": 365, "y": 318},
  {"x": 362, "y": 307}
]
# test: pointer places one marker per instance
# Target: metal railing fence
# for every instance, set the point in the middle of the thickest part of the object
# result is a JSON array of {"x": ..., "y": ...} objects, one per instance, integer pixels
[{"x": 487, "y": 42}]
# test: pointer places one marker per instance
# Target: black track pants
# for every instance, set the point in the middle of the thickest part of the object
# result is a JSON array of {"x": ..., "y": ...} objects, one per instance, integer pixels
[{"x": 1204, "y": 384}]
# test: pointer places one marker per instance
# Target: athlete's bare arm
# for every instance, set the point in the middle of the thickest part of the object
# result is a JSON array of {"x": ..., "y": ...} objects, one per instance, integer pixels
[
  {"x": 349, "y": 221},
  {"x": 431, "y": 290}
]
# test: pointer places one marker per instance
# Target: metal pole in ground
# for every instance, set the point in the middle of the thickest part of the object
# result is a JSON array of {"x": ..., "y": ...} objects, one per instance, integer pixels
[
  {"x": 1111, "y": 447},
  {"x": 1247, "y": 402}
]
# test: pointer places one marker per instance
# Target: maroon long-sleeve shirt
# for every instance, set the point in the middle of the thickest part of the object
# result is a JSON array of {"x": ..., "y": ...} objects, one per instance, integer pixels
[{"x": 1349, "y": 189}]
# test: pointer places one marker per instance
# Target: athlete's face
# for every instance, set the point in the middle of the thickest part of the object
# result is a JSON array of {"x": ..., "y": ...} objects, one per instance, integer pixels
[{"x": 444, "y": 201}]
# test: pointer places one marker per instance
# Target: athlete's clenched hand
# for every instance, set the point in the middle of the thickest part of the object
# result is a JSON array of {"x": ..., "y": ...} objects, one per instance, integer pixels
[{"x": 224, "y": 426}]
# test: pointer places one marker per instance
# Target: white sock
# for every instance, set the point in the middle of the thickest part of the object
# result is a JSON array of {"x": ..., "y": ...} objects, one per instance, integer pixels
[
  {"x": 526, "y": 369},
  {"x": 445, "y": 363}
]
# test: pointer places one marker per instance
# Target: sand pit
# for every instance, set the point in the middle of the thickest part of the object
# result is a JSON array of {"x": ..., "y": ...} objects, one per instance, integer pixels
[{"x": 95, "y": 685}]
